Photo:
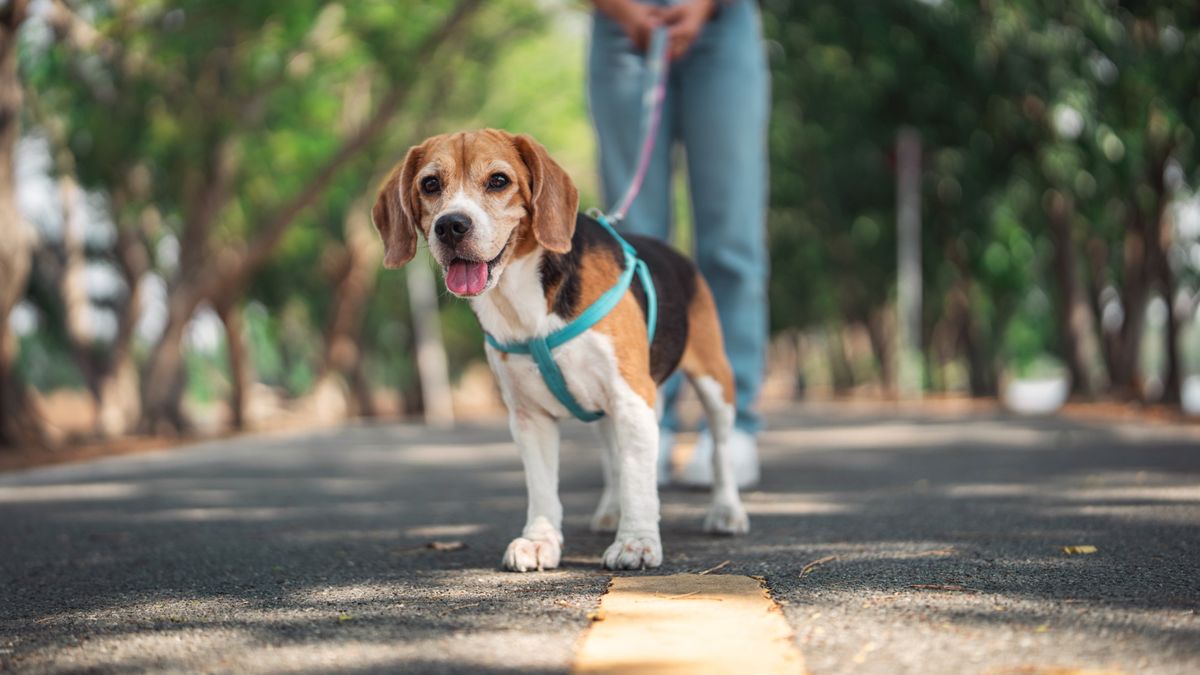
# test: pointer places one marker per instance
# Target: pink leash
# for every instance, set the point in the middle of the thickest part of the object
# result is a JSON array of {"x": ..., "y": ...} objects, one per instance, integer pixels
[{"x": 652, "y": 105}]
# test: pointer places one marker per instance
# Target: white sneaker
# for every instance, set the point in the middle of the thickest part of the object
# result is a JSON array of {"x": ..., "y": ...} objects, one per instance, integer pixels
[
  {"x": 666, "y": 446},
  {"x": 743, "y": 454}
]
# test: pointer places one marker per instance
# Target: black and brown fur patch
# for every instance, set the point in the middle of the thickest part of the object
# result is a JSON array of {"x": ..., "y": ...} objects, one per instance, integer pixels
[{"x": 687, "y": 330}]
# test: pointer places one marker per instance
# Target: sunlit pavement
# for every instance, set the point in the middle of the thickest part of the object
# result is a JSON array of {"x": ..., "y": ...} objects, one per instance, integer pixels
[{"x": 942, "y": 541}]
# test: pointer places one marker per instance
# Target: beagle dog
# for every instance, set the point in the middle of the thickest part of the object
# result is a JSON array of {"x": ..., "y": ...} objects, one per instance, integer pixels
[{"x": 501, "y": 218}]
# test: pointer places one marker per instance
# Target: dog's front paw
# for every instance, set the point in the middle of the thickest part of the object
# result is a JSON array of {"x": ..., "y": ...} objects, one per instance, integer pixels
[
  {"x": 527, "y": 555},
  {"x": 634, "y": 552},
  {"x": 726, "y": 518}
]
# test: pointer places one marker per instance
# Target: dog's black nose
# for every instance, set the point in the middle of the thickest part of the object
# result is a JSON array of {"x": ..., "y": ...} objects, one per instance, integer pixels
[{"x": 452, "y": 227}]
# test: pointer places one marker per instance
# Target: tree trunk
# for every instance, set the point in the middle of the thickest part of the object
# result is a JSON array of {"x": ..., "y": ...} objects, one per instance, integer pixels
[
  {"x": 430, "y": 352},
  {"x": 162, "y": 386},
  {"x": 20, "y": 423},
  {"x": 1147, "y": 240},
  {"x": 910, "y": 379},
  {"x": 72, "y": 286},
  {"x": 1097, "y": 282},
  {"x": 1135, "y": 292},
  {"x": 881, "y": 331},
  {"x": 362, "y": 391},
  {"x": 1161, "y": 235},
  {"x": 981, "y": 364},
  {"x": 1081, "y": 349},
  {"x": 945, "y": 339},
  {"x": 841, "y": 374},
  {"x": 120, "y": 403},
  {"x": 240, "y": 379},
  {"x": 981, "y": 375},
  {"x": 1166, "y": 282},
  {"x": 354, "y": 270}
]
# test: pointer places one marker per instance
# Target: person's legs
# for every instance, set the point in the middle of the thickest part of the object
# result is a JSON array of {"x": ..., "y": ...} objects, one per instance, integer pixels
[
  {"x": 723, "y": 112},
  {"x": 616, "y": 87},
  {"x": 617, "y": 81}
]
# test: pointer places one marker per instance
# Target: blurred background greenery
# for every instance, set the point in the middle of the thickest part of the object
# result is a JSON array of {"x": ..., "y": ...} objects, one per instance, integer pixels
[{"x": 185, "y": 187}]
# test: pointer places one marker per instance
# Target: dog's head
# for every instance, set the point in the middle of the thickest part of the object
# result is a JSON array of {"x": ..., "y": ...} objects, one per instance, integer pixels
[{"x": 480, "y": 198}]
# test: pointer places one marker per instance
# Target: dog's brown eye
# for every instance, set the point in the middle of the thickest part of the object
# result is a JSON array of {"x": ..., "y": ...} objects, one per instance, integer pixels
[
  {"x": 498, "y": 181},
  {"x": 431, "y": 185}
]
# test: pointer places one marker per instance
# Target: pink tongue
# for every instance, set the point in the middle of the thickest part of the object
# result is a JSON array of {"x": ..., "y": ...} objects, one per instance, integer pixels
[{"x": 467, "y": 278}]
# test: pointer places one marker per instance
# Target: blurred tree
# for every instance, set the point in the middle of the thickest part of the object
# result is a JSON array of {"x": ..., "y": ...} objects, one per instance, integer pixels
[
  {"x": 352, "y": 268},
  {"x": 226, "y": 118},
  {"x": 1145, "y": 60},
  {"x": 19, "y": 421},
  {"x": 1049, "y": 130},
  {"x": 448, "y": 95}
]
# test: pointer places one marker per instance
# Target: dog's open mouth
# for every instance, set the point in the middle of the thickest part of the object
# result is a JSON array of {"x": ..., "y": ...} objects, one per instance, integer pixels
[{"x": 470, "y": 277}]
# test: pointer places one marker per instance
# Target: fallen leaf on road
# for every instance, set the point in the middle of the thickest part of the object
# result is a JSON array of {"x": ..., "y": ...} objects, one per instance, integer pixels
[
  {"x": 943, "y": 587},
  {"x": 715, "y": 568},
  {"x": 817, "y": 563},
  {"x": 445, "y": 545},
  {"x": 1079, "y": 550},
  {"x": 431, "y": 546},
  {"x": 344, "y": 616}
]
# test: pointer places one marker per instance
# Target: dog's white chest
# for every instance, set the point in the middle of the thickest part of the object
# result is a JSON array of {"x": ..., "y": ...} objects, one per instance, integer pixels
[
  {"x": 588, "y": 365},
  {"x": 515, "y": 311}
]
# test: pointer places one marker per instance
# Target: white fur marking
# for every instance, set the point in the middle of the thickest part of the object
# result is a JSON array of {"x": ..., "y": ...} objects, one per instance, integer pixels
[{"x": 726, "y": 515}]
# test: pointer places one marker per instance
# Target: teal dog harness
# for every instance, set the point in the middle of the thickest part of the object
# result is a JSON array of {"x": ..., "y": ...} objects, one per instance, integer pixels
[{"x": 542, "y": 348}]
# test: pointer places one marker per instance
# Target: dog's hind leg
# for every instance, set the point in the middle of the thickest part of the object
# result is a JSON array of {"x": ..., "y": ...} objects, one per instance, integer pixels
[
  {"x": 707, "y": 368},
  {"x": 608, "y": 511},
  {"x": 726, "y": 515},
  {"x": 540, "y": 545}
]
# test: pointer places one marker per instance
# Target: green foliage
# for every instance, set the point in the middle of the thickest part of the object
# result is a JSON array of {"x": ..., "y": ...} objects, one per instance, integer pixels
[
  {"x": 206, "y": 380},
  {"x": 43, "y": 365},
  {"x": 171, "y": 94},
  {"x": 1010, "y": 99},
  {"x": 1090, "y": 99}
]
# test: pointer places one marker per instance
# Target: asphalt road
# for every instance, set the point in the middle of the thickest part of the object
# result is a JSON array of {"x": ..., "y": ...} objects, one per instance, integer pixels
[{"x": 309, "y": 553}]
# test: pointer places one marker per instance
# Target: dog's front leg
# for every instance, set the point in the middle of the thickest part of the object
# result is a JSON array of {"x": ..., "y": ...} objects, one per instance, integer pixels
[
  {"x": 635, "y": 440},
  {"x": 540, "y": 545}
]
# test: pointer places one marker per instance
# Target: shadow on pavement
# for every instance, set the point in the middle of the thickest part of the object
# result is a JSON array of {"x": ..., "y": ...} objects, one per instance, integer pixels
[{"x": 309, "y": 553}]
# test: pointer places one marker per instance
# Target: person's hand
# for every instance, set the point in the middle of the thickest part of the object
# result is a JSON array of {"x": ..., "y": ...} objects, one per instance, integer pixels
[
  {"x": 684, "y": 23},
  {"x": 638, "y": 20}
]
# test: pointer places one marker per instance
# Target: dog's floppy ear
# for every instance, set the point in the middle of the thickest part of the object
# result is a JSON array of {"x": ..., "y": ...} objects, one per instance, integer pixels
[
  {"x": 554, "y": 200},
  {"x": 397, "y": 211}
]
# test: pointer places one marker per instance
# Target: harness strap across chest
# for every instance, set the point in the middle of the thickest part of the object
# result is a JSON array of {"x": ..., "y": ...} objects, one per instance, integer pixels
[{"x": 542, "y": 348}]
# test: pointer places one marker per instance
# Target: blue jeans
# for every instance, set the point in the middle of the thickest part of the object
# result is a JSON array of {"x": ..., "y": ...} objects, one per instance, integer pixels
[{"x": 717, "y": 106}]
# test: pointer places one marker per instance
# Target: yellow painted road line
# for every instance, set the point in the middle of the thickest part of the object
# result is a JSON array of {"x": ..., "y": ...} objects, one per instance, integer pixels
[{"x": 688, "y": 623}]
